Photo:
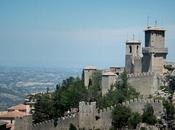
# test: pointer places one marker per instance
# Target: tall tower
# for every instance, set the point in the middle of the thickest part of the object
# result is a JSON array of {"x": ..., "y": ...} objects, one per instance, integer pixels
[
  {"x": 133, "y": 61},
  {"x": 154, "y": 52},
  {"x": 87, "y": 75}
]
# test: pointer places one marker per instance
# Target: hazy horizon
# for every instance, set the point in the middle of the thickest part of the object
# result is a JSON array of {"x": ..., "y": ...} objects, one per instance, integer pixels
[{"x": 74, "y": 34}]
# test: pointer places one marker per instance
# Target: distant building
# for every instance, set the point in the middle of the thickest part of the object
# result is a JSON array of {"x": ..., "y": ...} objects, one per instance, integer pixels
[
  {"x": 87, "y": 75},
  {"x": 14, "y": 112}
]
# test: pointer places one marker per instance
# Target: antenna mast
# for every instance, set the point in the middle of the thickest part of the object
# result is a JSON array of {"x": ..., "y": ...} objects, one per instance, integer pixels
[{"x": 147, "y": 21}]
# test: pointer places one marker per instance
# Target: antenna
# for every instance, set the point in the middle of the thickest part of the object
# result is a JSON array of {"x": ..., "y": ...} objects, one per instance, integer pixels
[
  {"x": 127, "y": 37},
  {"x": 162, "y": 22},
  {"x": 139, "y": 36},
  {"x": 133, "y": 37},
  {"x": 155, "y": 23},
  {"x": 147, "y": 21}
]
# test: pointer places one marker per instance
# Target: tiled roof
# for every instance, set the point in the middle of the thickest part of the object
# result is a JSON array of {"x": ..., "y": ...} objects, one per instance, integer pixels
[
  {"x": 109, "y": 74},
  {"x": 18, "y": 107},
  {"x": 12, "y": 114},
  {"x": 89, "y": 67},
  {"x": 156, "y": 28}
]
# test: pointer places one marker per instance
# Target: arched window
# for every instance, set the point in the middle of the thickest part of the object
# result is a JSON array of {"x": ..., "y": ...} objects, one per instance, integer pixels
[
  {"x": 137, "y": 49},
  {"x": 130, "y": 49},
  {"x": 90, "y": 82}
]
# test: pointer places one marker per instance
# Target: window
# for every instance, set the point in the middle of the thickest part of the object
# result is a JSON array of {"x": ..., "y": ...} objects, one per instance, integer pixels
[
  {"x": 130, "y": 49},
  {"x": 137, "y": 49}
]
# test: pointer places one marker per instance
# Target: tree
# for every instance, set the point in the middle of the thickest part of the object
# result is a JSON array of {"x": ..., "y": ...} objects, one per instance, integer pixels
[
  {"x": 170, "y": 78},
  {"x": 134, "y": 119},
  {"x": 170, "y": 110},
  {"x": 43, "y": 108},
  {"x": 120, "y": 92},
  {"x": 148, "y": 115},
  {"x": 120, "y": 116},
  {"x": 53, "y": 105},
  {"x": 94, "y": 90}
]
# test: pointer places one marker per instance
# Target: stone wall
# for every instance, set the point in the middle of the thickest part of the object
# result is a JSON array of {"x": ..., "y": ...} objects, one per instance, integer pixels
[
  {"x": 87, "y": 75},
  {"x": 145, "y": 83},
  {"x": 62, "y": 124},
  {"x": 87, "y": 113},
  {"x": 23, "y": 123},
  {"x": 88, "y": 117},
  {"x": 92, "y": 118},
  {"x": 107, "y": 82},
  {"x": 137, "y": 105}
]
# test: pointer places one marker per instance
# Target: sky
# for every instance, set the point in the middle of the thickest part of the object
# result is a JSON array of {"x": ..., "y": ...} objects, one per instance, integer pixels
[{"x": 77, "y": 33}]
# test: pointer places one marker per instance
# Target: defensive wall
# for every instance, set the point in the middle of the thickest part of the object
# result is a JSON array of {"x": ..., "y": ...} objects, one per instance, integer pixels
[
  {"x": 145, "y": 83},
  {"x": 88, "y": 117}
]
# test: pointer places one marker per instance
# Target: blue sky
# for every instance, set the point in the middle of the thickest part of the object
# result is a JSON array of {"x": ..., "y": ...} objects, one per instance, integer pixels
[{"x": 76, "y": 33}]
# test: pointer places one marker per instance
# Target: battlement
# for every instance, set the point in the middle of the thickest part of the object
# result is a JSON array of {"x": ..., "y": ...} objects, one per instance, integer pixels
[
  {"x": 82, "y": 103},
  {"x": 141, "y": 100},
  {"x": 60, "y": 122},
  {"x": 141, "y": 75},
  {"x": 108, "y": 109},
  {"x": 154, "y": 50}
]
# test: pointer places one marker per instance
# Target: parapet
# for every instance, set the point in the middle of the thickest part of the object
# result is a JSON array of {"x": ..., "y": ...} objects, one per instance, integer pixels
[
  {"x": 141, "y": 75},
  {"x": 108, "y": 109},
  {"x": 60, "y": 120},
  {"x": 86, "y": 106},
  {"x": 141, "y": 100},
  {"x": 89, "y": 68}
]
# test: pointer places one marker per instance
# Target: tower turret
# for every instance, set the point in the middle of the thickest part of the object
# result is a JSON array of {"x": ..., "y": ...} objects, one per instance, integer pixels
[
  {"x": 154, "y": 52},
  {"x": 87, "y": 75},
  {"x": 132, "y": 56}
]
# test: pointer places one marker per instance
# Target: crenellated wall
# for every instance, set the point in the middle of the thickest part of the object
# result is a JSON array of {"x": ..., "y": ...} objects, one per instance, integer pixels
[
  {"x": 137, "y": 105},
  {"x": 87, "y": 113},
  {"x": 88, "y": 117},
  {"x": 91, "y": 118},
  {"x": 63, "y": 123},
  {"x": 145, "y": 83}
]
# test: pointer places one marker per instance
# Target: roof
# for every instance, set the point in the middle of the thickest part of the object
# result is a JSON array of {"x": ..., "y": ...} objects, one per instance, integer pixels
[
  {"x": 109, "y": 74},
  {"x": 156, "y": 28},
  {"x": 133, "y": 42},
  {"x": 13, "y": 114},
  {"x": 18, "y": 107},
  {"x": 89, "y": 68}
]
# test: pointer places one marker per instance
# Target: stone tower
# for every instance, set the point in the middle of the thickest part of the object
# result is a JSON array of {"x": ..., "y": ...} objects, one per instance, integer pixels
[
  {"x": 87, "y": 75},
  {"x": 108, "y": 79},
  {"x": 133, "y": 60},
  {"x": 154, "y": 52},
  {"x": 87, "y": 114}
]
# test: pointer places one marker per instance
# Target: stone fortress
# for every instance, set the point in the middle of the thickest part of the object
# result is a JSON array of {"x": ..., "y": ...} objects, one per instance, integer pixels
[{"x": 144, "y": 74}]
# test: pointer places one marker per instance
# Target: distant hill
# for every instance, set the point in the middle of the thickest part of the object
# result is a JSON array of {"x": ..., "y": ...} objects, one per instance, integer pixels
[{"x": 16, "y": 82}]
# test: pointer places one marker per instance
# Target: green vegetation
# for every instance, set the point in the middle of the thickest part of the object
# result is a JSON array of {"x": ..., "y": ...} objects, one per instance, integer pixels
[
  {"x": 169, "y": 78},
  {"x": 120, "y": 92},
  {"x": 54, "y": 105},
  {"x": 134, "y": 119},
  {"x": 148, "y": 115},
  {"x": 120, "y": 116},
  {"x": 94, "y": 90},
  {"x": 170, "y": 110}
]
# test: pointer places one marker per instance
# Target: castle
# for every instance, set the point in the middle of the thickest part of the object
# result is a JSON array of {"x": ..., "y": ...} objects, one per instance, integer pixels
[{"x": 144, "y": 74}]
